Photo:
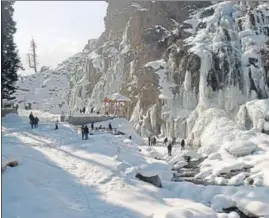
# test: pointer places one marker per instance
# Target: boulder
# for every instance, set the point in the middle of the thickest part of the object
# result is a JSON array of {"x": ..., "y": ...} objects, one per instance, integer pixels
[
  {"x": 154, "y": 180},
  {"x": 13, "y": 163}
]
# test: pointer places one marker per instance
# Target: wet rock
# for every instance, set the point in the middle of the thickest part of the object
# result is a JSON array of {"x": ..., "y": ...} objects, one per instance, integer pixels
[
  {"x": 154, "y": 180},
  {"x": 241, "y": 214}
]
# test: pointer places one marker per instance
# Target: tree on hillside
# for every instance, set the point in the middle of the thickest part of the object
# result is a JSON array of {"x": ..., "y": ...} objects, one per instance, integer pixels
[{"x": 10, "y": 59}]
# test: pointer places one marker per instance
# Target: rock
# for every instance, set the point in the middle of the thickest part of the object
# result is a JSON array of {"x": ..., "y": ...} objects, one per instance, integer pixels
[
  {"x": 154, "y": 180},
  {"x": 187, "y": 158},
  {"x": 235, "y": 209},
  {"x": 13, "y": 163}
]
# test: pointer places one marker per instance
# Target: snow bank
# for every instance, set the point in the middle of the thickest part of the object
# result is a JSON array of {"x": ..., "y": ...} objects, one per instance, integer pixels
[
  {"x": 240, "y": 148},
  {"x": 221, "y": 201},
  {"x": 253, "y": 114},
  {"x": 192, "y": 211},
  {"x": 124, "y": 126}
]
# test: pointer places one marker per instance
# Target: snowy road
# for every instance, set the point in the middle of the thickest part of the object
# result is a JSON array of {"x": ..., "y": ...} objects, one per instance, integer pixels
[{"x": 59, "y": 175}]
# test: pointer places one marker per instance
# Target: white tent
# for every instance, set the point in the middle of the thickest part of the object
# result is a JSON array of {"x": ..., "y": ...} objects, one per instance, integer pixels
[{"x": 117, "y": 97}]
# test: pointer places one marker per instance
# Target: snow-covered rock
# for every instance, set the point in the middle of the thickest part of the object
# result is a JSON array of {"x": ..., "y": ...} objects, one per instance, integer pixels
[{"x": 221, "y": 201}]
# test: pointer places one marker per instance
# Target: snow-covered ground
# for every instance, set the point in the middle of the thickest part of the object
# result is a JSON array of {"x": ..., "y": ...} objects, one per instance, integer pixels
[{"x": 59, "y": 175}]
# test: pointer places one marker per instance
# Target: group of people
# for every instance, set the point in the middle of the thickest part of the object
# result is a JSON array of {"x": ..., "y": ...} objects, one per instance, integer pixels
[
  {"x": 153, "y": 141},
  {"x": 82, "y": 111},
  {"x": 33, "y": 121},
  {"x": 85, "y": 132}
]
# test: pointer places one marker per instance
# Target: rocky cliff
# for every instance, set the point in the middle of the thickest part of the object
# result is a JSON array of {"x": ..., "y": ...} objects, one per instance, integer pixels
[{"x": 177, "y": 59}]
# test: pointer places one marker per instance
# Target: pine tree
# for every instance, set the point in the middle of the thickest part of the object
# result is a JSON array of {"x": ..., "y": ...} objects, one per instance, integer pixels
[{"x": 10, "y": 59}]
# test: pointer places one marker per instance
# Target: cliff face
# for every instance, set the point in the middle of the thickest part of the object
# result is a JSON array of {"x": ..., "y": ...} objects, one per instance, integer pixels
[{"x": 175, "y": 60}]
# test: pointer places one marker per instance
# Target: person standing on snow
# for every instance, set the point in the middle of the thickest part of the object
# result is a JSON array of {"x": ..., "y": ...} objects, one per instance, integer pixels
[
  {"x": 110, "y": 126},
  {"x": 56, "y": 125},
  {"x": 31, "y": 117},
  {"x": 154, "y": 140},
  {"x": 182, "y": 144},
  {"x": 169, "y": 148},
  {"x": 86, "y": 132},
  {"x": 92, "y": 125},
  {"x": 36, "y": 120},
  {"x": 82, "y": 132},
  {"x": 149, "y": 140}
]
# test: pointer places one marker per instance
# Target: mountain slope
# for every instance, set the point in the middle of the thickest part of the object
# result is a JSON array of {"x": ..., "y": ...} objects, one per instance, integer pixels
[{"x": 175, "y": 60}]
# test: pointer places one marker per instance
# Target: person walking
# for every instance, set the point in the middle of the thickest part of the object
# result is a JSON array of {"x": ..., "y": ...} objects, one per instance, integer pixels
[
  {"x": 92, "y": 125},
  {"x": 182, "y": 144},
  {"x": 154, "y": 141},
  {"x": 31, "y": 117},
  {"x": 110, "y": 127},
  {"x": 36, "y": 120},
  {"x": 149, "y": 141},
  {"x": 169, "y": 148},
  {"x": 82, "y": 132},
  {"x": 86, "y": 132},
  {"x": 56, "y": 125}
]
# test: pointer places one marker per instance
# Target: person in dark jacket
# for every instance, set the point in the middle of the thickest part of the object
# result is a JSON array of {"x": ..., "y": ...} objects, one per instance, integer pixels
[
  {"x": 82, "y": 132},
  {"x": 86, "y": 132},
  {"x": 56, "y": 125},
  {"x": 149, "y": 141},
  {"x": 31, "y": 117},
  {"x": 169, "y": 148},
  {"x": 36, "y": 120},
  {"x": 182, "y": 144},
  {"x": 110, "y": 127},
  {"x": 154, "y": 141},
  {"x": 92, "y": 125}
]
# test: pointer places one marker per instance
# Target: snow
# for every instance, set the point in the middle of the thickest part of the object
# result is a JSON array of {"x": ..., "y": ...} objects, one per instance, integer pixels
[
  {"x": 97, "y": 176},
  {"x": 238, "y": 148},
  {"x": 221, "y": 201},
  {"x": 97, "y": 61},
  {"x": 253, "y": 114},
  {"x": 160, "y": 68}
]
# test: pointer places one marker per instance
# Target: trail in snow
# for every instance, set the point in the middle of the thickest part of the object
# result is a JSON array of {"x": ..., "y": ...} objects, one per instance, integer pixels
[{"x": 59, "y": 175}]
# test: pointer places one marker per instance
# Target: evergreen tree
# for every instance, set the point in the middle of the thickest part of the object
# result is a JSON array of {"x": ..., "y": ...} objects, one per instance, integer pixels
[{"x": 10, "y": 59}]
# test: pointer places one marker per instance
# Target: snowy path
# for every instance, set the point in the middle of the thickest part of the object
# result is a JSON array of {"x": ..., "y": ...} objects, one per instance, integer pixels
[
  {"x": 82, "y": 178},
  {"x": 59, "y": 175}
]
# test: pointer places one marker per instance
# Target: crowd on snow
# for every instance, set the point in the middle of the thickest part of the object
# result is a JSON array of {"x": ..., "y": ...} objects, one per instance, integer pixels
[
  {"x": 153, "y": 141},
  {"x": 85, "y": 133},
  {"x": 85, "y": 130}
]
